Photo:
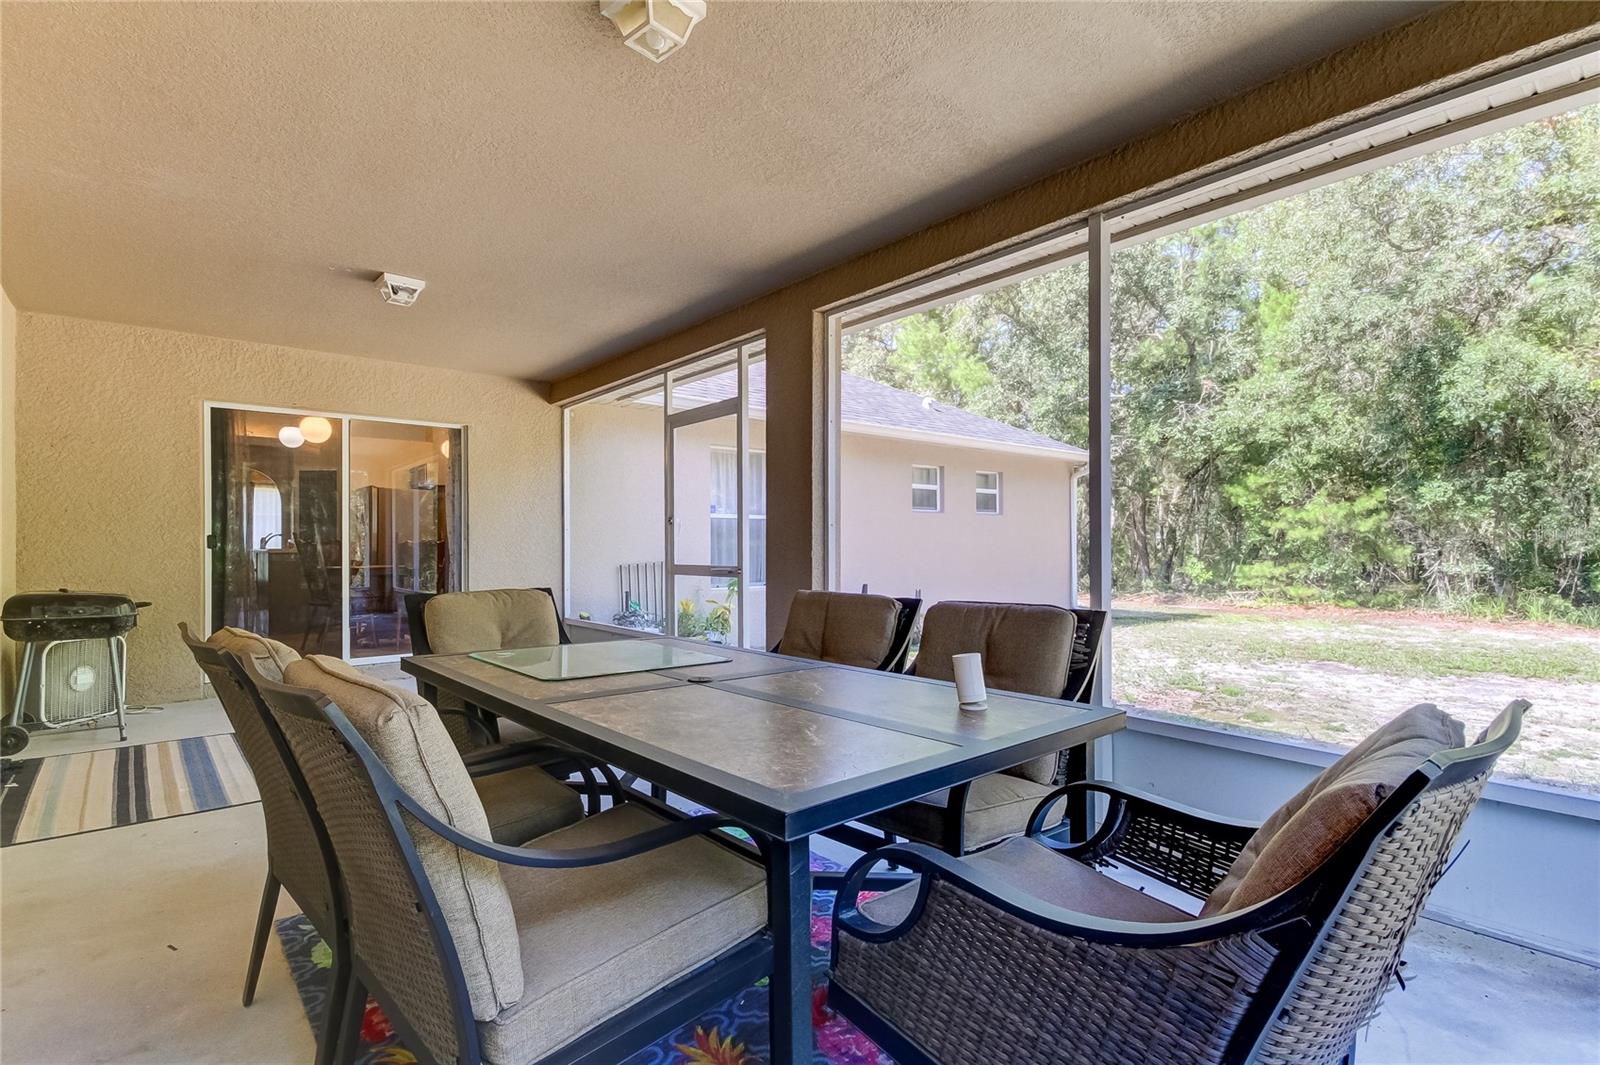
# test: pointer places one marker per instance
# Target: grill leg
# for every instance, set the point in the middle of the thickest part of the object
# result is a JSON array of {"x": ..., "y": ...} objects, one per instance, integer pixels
[{"x": 258, "y": 949}]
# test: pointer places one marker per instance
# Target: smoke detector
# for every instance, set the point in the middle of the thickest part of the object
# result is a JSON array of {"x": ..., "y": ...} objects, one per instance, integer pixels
[{"x": 400, "y": 291}]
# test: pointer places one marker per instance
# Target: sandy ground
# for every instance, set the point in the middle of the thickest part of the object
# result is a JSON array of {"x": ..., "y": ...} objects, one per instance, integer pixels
[{"x": 1333, "y": 675}]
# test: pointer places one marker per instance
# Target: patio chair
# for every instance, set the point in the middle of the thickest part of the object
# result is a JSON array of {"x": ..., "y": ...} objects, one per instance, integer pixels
[
  {"x": 850, "y": 629},
  {"x": 451, "y": 623},
  {"x": 589, "y": 944},
  {"x": 1032, "y": 649},
  {"x": 1024, "y": 953},
  {"x": 299, "y": 856}
]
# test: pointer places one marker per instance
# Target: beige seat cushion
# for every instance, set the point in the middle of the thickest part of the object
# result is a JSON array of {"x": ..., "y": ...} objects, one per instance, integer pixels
[
  {"x": 407, "y": 736},
  {"x": 842, "y": 627},
  {"x": 1049, "y": 877},
  {"x": 269, "y": 656},
  {"x": 525, "y": 802},
  {"x": 1304, "y": 831},
  {"x": 998, "y": 806},
  {"x": 1026, "y": 648},
  {"x": 596, "y": 940},
  {"x": 459, "y": 622}
]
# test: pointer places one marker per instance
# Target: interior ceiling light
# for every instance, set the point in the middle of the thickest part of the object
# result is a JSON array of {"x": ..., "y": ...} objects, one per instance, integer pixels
[
  {"x": 291, "y": 436},
  {"x": 398, "y": 290},
  {"x": 316, "y": 430},
  {"x": 654, "y": 28}
]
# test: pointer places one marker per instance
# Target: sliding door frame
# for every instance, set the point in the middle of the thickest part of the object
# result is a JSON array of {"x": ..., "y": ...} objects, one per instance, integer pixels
[{"x": 344, "y": 419}]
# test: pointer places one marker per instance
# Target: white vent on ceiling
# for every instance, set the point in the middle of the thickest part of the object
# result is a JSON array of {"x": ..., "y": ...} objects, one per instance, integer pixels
[{"x": 400, "y": 291}]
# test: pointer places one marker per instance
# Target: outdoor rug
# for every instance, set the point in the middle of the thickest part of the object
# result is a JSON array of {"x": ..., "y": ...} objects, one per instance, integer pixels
[
  {"x": 735, "y": 1033},
  {"x": 64, "y": 794}
]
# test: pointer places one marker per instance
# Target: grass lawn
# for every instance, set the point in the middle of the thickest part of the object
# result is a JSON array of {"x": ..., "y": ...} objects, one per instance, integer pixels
[{"x": 1333, "y": 675}]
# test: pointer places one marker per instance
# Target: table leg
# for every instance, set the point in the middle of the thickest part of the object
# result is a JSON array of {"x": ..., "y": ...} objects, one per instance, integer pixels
[
  {"x": 789, "y": 915},
  {"x": 1079, "y": 807}
]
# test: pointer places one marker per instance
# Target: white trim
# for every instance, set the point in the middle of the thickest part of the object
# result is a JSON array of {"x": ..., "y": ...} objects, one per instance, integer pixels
[
  {"x": 937, "y": 487},
  {"x": 1069, "y": 453},
  {"x": 1525, "y": 793},
  {"x": 979, "y": 491}
]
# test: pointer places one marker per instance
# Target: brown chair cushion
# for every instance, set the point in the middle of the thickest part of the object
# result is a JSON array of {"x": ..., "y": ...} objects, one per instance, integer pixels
[
  {"x": 844, "y": 627},
  {"x": 407, "y": 736},
  {"x": 998, "y": 805},
  {"x": 1038, "y": 871},
  {"x": 459, "y": 622},
  {"x": 1307, "y": 829},
  {"x": 1026, "y": 648},
  {"x": 525, "y": 802},
  {"x": 269, "y": 656}
]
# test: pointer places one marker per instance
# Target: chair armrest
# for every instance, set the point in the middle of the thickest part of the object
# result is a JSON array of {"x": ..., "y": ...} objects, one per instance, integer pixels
[
  {"x": 503, "y": 756},
  {"x": 1098, "y": 989},
  {"x": 568, "y": 858},
  {"x": 1183, "y": 847}
]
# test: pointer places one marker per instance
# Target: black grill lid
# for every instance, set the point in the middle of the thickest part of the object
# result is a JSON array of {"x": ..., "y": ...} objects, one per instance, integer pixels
[{"x": 31, "y": 606}]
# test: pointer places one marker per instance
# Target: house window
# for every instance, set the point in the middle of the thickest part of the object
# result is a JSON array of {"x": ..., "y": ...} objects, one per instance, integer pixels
[
  {"x": 927, "y": 487},
  {"x": 988, "y": 493},
  {"x": 725, "y": 512},
  {"x": 266, "y": 511}
]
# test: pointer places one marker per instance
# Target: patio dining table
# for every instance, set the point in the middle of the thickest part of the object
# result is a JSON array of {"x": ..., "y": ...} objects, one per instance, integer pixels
[{"x": 788, "y": 747}]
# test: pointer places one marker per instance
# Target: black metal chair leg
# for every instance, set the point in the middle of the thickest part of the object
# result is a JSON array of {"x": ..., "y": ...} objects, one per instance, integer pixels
[
  {"x": 351, "y": 1010},
  {"x": 333, "y": 1009},
  {"x": 258, "y": 949}
]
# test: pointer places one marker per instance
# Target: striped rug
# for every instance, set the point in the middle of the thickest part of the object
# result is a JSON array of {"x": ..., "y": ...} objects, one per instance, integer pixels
[{"x": 65, "y": 794}]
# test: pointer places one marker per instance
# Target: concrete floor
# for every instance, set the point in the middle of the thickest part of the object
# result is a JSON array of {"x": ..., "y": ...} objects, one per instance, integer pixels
[{"x": 129, "y": 945}]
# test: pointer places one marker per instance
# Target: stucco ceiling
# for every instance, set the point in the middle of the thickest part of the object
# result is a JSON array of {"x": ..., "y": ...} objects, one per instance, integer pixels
[{"x": 244, "y": 170}]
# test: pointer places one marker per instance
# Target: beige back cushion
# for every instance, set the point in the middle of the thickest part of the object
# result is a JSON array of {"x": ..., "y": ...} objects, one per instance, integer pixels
[
  {"x": 269, "y": 656},
  {"x": 459, "y": 622},
  {"x": 410, "y": 740},
  {"x": 1307, "y": 829},
  {"x": 1026, "y": 648},
  {"x": 842, "y": 627}
]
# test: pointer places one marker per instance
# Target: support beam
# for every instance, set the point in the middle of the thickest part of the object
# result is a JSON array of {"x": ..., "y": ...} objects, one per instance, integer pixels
[{"x": 1099, "y": 442}]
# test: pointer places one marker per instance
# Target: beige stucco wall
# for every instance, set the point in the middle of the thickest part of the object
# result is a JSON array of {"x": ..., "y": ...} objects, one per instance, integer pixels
[
  {"x": 1447, "y": 46},
  {"x": 110, "y": 478},
  {"x": 8, "y": 482}
]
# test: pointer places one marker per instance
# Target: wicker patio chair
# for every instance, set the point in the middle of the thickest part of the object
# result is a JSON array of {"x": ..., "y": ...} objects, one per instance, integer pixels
[
  {"x": 1024, "y": 954},
  {"x": 592, "y": 943},
  {"x": 849, "y": 628},
  {"x": 299, "y": 856},
  {"x": 1032, "y": 649},
  {"x": 462, "y": 622}
]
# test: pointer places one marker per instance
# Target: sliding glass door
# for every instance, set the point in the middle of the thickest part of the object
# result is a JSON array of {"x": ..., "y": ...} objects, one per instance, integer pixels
[{"x": 320, "y": 524}]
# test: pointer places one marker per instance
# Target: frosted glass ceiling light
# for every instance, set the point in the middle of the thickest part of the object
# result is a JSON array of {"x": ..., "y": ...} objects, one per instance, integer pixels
[
  {"x": 316, "y": 430},
  {"x": 291, "y": 436},
  {"x": 654, "y": 28}
]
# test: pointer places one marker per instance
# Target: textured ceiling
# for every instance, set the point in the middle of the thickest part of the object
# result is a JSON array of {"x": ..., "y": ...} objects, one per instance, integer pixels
[{"x": 244, "y": 170}]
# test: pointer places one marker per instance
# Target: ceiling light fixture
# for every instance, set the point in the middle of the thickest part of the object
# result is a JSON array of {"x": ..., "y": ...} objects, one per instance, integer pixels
[
  {"x": 654, "y": 28},
  {"x": 316, "y": 430},
  {"x": 398, "y": 290},
  {"x": 291, "y": 436}
]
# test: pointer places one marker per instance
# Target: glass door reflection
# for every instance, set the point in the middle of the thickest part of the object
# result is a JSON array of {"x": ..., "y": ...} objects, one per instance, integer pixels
[{"x": 405, "y": 527}]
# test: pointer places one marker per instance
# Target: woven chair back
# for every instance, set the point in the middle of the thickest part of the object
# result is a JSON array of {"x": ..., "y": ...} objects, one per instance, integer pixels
[{"x": 296, "y": 850}]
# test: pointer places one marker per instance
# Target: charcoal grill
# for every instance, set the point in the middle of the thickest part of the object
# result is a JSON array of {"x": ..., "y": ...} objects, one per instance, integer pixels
[{"x": 74, "y": 661}]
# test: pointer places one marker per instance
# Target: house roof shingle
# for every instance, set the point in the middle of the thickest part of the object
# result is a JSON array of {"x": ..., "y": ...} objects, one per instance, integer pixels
[{"x": 864, "y": 402}]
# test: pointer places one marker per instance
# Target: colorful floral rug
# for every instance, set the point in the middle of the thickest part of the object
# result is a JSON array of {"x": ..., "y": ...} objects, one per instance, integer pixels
[{"x": 735, "y": 1033}]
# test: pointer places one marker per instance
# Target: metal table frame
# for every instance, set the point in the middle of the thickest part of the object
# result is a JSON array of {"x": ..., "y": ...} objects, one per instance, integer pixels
[{"x": 783, "y": 819}]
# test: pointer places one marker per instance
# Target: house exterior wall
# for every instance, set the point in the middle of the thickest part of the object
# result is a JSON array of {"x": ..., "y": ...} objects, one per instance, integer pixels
[
  {"x": 1019, "y": 555},
  {"x": 110, "y": 464},
  {"x": 1022, "y": 554}
]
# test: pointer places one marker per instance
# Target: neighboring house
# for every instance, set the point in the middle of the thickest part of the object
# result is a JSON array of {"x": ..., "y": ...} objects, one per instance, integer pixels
[{"x": 934, "y": 500}]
